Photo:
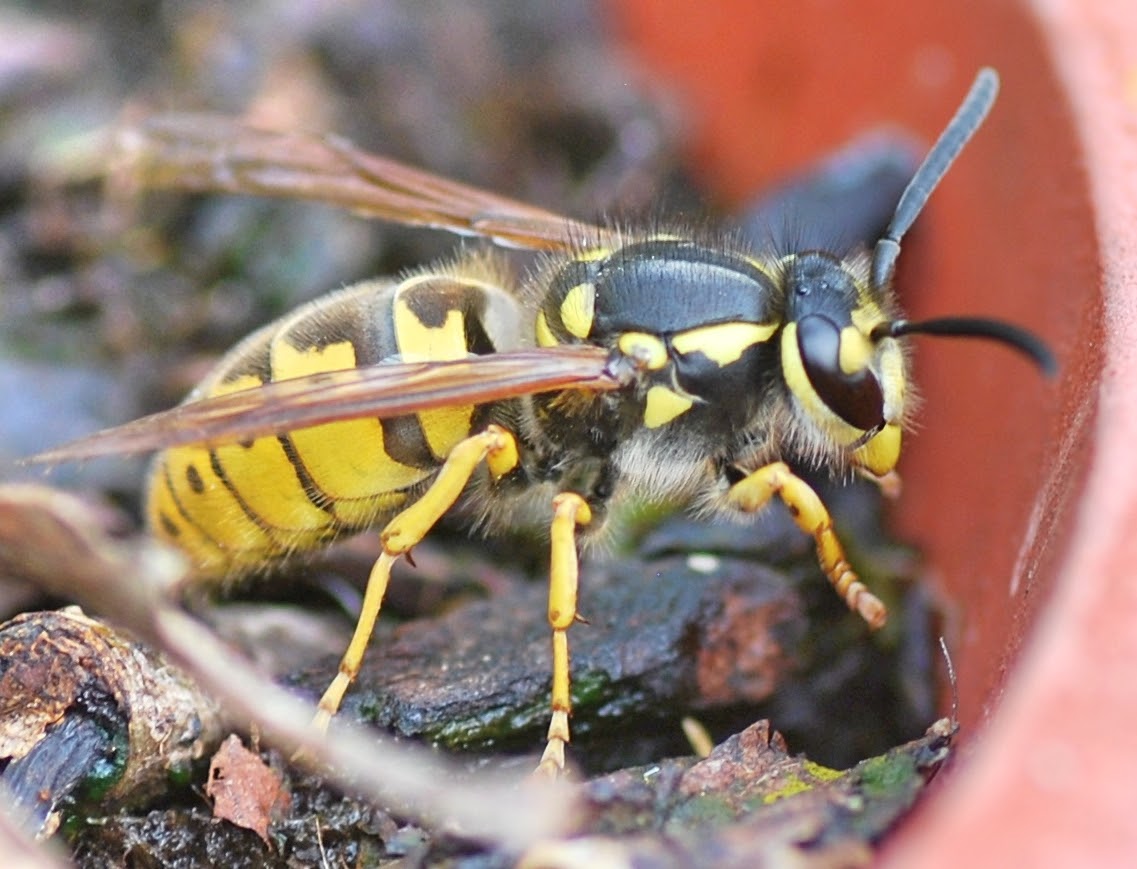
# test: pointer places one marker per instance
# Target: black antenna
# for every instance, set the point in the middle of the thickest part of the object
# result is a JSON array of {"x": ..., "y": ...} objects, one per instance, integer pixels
[
  {"x": 1027, "y": 343},
  {"x": 958, "y": 133}
]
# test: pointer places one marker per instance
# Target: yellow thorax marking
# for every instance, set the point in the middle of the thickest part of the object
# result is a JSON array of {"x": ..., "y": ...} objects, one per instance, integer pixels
[
  {"x": 723, "y": 343},
  {"x": 578, "y": 309},
  {"x": 648, "y": 350},
  {"x": 664, "y": 405}
]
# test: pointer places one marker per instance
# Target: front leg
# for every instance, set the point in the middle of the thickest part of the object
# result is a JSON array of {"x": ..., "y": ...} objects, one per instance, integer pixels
[{"x": 754, "y": 491}]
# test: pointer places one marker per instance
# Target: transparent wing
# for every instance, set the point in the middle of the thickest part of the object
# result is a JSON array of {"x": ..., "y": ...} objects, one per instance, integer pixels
[
  {"x": 215, "y": 153},
  {"x": 379, "y": 391}
]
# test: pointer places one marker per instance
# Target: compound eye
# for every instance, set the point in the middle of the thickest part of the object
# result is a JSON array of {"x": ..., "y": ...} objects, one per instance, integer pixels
[{"x": 856, "y": 397}]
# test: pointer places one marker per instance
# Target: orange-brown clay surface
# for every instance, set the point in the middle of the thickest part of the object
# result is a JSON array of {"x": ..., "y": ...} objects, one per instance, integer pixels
[{"x": 1021, "y": 493}]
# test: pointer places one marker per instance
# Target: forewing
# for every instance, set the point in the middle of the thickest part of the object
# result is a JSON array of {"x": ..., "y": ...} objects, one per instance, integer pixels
[
  {"x": 215, "y": 153},
  {"x": 380, "y": 391}
]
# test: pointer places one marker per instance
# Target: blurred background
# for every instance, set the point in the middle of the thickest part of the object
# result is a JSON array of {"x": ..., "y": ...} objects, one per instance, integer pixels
[{"x": 113, "y": 306}]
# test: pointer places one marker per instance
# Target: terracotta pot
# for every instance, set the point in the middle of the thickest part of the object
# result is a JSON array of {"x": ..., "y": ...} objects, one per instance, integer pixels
[{"x": 1021, "y": 492}]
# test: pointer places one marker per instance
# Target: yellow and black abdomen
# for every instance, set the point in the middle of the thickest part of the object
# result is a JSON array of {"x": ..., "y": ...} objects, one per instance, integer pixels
[{"x": 233, "y": 508}]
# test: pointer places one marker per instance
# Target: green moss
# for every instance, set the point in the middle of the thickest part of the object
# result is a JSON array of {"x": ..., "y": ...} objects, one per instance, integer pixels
[
  {"x": 815, "y": 775},
  {"x": 822, "y": 773},
  {"x": 708, "y": 810},
  {"x": 106, "y": 772},
  {"x": 791, "y": 786},
  {"x": 886, "y": 775}
]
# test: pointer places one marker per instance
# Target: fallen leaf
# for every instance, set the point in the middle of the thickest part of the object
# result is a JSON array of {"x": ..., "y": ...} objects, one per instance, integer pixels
[{"x": 244, "y": 789}]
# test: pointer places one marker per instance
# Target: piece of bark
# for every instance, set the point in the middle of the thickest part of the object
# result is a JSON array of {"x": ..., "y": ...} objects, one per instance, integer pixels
[
  {"x": 659, "y": 640},
  {"x": 84, "y": 707}
]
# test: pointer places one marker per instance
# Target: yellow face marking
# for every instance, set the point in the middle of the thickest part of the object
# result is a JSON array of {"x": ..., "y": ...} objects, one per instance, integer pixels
[
  {"x": 893, "y": 379},
  {"x": 794, "y": 371},
  {"x": 854, "y": 350},
  {"x": 882, "y": 452},
  {"x": 664, "y": 405},
  {"x": 806, "y": 396},
  {"x": 578, "y": 310},
  {"x": 648, "y": 350},
  {"x": 866, "y": 315},
  {"x": 545, "y": 336},
  {"x": 723, "y": 343}
]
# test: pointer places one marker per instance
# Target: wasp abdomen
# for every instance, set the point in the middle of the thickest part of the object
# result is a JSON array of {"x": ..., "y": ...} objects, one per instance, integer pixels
[{"x": 235, "y": 506}]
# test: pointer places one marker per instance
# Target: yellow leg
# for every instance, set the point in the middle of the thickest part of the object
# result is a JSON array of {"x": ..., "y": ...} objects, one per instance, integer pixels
[
  {"x": 753, "y": 493},
  {"x": 569, "y": 510},
  {"x": 353, "y": 658},
  {"x": 496, "y": 447}
]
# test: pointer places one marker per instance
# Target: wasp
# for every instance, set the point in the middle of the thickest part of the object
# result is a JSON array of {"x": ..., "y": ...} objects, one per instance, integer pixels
[{"x": 627, "y": 363}]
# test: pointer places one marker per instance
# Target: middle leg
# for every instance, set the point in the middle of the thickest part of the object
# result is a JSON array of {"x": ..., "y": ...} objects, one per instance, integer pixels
[{"x": 569, "y": 510}]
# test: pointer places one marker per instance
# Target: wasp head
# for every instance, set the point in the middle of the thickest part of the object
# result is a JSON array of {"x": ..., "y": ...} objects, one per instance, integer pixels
[{"x": 848, "y": 385}]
